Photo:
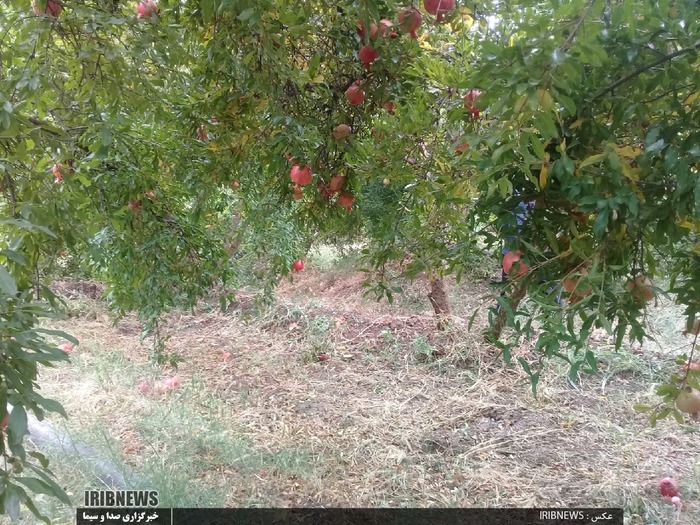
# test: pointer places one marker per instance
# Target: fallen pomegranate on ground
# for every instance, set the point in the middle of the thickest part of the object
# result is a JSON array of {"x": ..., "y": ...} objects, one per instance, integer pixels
[
  {"x": 171, "y": 383},
  {"x": 323, "y": 357},
  {"x": 668, "y": 487},
  {"x": 298, "y": 265},
  {"x": 66, "y": 347}
]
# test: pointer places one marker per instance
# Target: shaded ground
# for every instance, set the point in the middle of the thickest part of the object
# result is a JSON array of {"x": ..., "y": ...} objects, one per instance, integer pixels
[{"x": 397, "y": 416}]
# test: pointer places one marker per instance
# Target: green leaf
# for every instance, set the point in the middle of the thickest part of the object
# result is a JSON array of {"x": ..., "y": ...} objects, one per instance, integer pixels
[
  {"x": 593, "y": 159},
  {"x": 7, "y": 282}
]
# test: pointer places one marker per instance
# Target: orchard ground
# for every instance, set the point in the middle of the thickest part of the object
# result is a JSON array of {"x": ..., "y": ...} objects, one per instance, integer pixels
[{"x": 400, "y": 415}]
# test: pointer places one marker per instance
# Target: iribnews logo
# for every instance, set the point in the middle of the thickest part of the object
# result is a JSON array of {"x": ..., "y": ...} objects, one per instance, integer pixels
[
  {"x": 562, "y": 515},
  {"x": 121, "y": 498}
]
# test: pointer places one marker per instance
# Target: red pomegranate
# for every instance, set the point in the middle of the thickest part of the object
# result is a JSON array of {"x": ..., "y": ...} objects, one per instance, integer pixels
[
  {"x": 439, "y": 7},
  {"x": 57, "y": 171},
  {"x": 509, "y": 260},
  {"x": 52, "y": 8},
  {"x": 298, "y": 265},
  {"x": 367, "y": 56},
  {"x": 354, "y": 94},
  {"x": 410, "y": 20},
  {"x": 337, "y": 184},
  {"x": 301, "y": 176},
  {"x": 342, "y": 131},
  {"x": 469, "y": 101},
  {"x": 345, "y": 200},
  {"x": 146, "y": 9},
  {"x": 389, "y": 107},
  {"x": 384, "y": 26},
  {"x": 668, "y": 487}
]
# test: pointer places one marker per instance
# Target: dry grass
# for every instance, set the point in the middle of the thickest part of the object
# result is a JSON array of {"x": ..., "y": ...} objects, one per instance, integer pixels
[{"x": 398, "y": 416}]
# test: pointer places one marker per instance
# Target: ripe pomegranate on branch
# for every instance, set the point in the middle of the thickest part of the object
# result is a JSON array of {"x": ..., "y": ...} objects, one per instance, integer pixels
[
  {"x": 410, "y": 20},
  {"x": 51, "y": 8},
  {"x": 146, "y": 9},
  {"x": 439, "y": 8}
]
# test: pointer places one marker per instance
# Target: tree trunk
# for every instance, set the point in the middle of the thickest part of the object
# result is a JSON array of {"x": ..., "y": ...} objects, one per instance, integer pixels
[
  {"x": 440, "y": 301},
  {"x": 518, "y": 295}
]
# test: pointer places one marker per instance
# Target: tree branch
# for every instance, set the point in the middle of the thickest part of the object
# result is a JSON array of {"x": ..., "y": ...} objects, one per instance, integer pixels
[
  {"x": 571, "y": 37},
  {"x": 642, "y": 69}
]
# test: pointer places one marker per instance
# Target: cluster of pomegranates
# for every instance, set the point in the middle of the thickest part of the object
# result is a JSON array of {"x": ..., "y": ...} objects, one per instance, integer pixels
[{"x": 301, "y": 176}]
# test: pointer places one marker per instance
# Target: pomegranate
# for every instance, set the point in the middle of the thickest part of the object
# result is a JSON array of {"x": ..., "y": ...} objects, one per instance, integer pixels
[
  {"x": 469, "y": 102},
  {"x": 688, "y": 401},
  {"x": 509, "y": 260},
  {"x": 342, "y": 131},
  {"x": 323, "y": 357},
  {"x": 410, "y": 20},
  {"x": 677, "y": 503},
  {"x": 301, "y": 176},
  {"x": 345, "y": 200},
  {"x": 324, "y": 191},
  {"x": 389, "y": 107},
  {"x": 171, "y": 382},
  {"x": 384, "y": 26},
  {"x": 66, "y": 347},
  {"x": 688, "y": 366},
  {"x": 236, "y": 184},
  {"x": 337, "y": 184},
  {"x": 641, "y": 288},
  {"x": 367, "y": 56},
  {"x": 144, "y": 387},
  {"x": 57, "y": 171},
  {"x": 298, "y": 265},
  {"x": 571, "y": 285},
  {"x": 668, "y": 487},
  {"x": 462, "y": 147},
  {"x": 225, "y": 356},
  {"x": 439, "y": 7},
  {"x": 51, "y": 8},
  {"x": 354, "y": 94},
  {"x": 146, "y": 9}
]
